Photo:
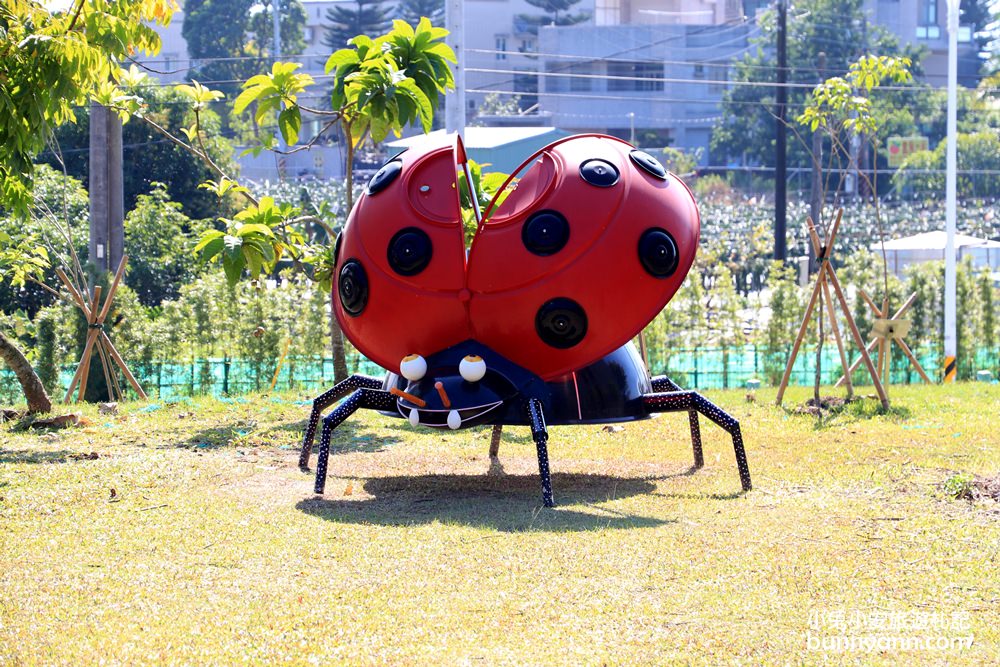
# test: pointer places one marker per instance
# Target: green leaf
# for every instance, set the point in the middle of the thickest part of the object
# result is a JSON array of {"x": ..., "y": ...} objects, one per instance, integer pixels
[
  {"x": 246, "y": 98},
  {"x": 341, "y": 58},
  {"x": 233, "y": 266},
  {"x": 289, "y": 122},
  {"x": 255, "y": 228},
  {"x": 207, "y": 237},
  {"x": 210, "y": 249}
]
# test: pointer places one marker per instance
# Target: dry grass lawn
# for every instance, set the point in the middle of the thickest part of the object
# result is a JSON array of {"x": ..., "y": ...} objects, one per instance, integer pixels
[{"x": 185, "y": 534}]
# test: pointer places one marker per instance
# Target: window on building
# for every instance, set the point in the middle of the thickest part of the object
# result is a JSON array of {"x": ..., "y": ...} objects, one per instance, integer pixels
[
  {"x": 927, "y": 20},
  {"x": 719, "y": 74},
  {"x": 607, "y": 12},
  {"x": 641, "y": 76},
  {"x": 501, "y": 47},
  {"x": 527, "y": 46},
  {"x": 526, "y": 85},
  {"x": 580, "y": 83},
  {"x": 699, "y": 71}
]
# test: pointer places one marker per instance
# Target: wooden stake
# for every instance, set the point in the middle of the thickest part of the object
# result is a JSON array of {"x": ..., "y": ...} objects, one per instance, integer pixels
[
  {"x": 879, "y": 389},
  {"x": 827, "y": 274},
  {"x": 121, "y": 363},
  {"x": 871, "y": 304},
  {"x": 857, "y": 362},
  {"x": 913, "y": 360},
  {"x": 798, "y": 341},
  {"x": 88, "y": 349},
  {"x": 874, "y": 341},
  {"x": 96, "y": 312},
  {"x": 105, "y": 365},
  {"x": 836, "y": 334},
  {"x": 119, "y": 272}
]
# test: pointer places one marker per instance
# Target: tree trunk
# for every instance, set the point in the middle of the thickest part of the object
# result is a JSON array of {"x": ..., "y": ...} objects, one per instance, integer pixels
[
  {"x": 34, "y": 392},
  {"x": 337, "y": 350},
  {"x": 336, "y": 335}
]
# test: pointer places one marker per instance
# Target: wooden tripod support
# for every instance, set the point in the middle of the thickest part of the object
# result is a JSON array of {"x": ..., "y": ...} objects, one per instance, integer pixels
[
  {"x": 825, "y": 280},
  {"x": 886, "y": 332},
  {"x": 97, "y": 338}
]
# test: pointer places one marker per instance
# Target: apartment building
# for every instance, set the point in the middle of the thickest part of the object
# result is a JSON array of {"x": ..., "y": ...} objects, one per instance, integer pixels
[{"x": 653, "y": 67}]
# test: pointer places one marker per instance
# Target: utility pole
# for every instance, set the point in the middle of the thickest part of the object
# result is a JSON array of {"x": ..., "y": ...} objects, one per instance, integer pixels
[
  {"x": 454, "y": 103},
  {"x": 107, "y": 202},
  {"x": 863, "y": 188},
  {"x": 780, "y": 171},
  {"x": 276, "y": 18},
  {"x": 816, "y": 201},
  {"x": 279, "y": 159},
  {"x": 951, "y": 194}
]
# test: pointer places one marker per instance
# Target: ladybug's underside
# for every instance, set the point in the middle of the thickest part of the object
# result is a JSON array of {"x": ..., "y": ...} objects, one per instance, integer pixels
[{"x": 615, "y": 388}]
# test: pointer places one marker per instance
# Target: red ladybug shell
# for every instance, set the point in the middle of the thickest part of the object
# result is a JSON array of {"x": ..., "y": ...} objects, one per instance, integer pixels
[{"x": 588, "y": 247}]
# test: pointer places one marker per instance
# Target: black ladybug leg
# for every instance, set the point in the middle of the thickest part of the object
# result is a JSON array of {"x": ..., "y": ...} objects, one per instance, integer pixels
[
  {"x": 699, "y": 457},
  {"x": 541, "y": 437},
  {"x": 374, "y": 399},
  {"x": 677, "y": 401},
  {"x": 663, "y": 384},
  {"x": 325, "y": 400}
]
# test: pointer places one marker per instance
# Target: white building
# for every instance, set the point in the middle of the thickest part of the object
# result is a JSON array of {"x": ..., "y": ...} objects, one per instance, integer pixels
[{"x": 930, "y": 247}]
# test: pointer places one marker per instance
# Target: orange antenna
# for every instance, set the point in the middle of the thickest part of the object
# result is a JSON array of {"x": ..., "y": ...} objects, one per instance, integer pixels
[
  {"x": 443, "y": 394},
  {"x": 463, "y": 159},
  {"x": 419, "y": 402}
]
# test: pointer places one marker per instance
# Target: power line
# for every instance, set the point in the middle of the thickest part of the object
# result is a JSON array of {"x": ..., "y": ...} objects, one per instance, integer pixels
[{"x": 682, "y": 80}]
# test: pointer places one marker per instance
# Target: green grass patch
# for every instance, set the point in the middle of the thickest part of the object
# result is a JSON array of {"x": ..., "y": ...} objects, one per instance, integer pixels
[{"x": 185, "y": 533}]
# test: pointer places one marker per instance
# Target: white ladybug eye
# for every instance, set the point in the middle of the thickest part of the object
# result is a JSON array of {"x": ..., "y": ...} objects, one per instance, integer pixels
[
  {"x": 413, "y": 367},
  {"x": 472, "y": 368}
]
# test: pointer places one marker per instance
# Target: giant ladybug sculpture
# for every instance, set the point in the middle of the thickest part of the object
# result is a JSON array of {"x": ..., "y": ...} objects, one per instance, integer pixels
[{"x": 532, "y": 324}]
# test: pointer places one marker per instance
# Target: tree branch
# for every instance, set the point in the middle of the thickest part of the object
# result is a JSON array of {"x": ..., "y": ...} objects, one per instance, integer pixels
[
  {"x": 76, "y": 15},
  {"x": 194, "y": 151},
  {"x": 312, "y": 142}
]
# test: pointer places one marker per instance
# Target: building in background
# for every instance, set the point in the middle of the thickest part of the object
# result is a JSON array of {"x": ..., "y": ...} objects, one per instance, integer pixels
[
  {"x": 649, "y": 70},
  {"x": 930, "y": 247},
  {"x": 657, "y": 84}
]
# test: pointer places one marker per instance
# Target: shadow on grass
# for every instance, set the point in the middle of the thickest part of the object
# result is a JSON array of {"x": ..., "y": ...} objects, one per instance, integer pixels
[
  {"x": 857, "y": 410},
  {"x": 732, "y": 495},
  {"x": 507, "y": 503},
  {"x": 33, "y": 456},
  {"x": 347, "y": 437}
]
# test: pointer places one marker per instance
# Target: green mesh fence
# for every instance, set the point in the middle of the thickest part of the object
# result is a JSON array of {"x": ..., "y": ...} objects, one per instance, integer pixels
[{"x": 701, "y": 368}]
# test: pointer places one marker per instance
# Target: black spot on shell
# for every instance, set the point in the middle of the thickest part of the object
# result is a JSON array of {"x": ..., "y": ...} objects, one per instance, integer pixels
[
  {"x": 598, "y": 172},
  {"x": 648, "y": 164},
  {"x": 658, "y": 252},
  {"x": 352, "y": 287},
  {"x": 410, "y": 251},
  {"x": 561, "y": 323},
  {"x": 384, "y": 176},
  {"x": 545, "y": 233}
]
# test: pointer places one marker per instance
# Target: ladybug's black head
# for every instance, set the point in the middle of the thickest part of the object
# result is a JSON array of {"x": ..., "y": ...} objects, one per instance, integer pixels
[{"x": 462, "y": 386}]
